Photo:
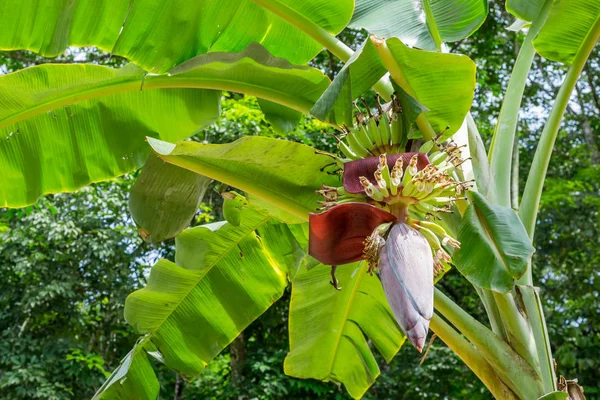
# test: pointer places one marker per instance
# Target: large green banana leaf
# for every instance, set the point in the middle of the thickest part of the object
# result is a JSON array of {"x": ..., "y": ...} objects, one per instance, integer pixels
[
  {"x": 570, "y": 23},
  {"x": 425, "y": 24},
  {"x": 282, "y": 173},
  {"x": 64, "y": 126},
  {"x": 223, "y": 278},
  {"x": 328, "y": 327},
  {"x": 159, "y": 34},
  {"x": 442, "y": 82}
]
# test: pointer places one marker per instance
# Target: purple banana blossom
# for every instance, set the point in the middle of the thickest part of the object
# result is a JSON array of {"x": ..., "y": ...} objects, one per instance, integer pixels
[
  {"x": 350, "y": 230},
  {"x": 406, "y": 272}
]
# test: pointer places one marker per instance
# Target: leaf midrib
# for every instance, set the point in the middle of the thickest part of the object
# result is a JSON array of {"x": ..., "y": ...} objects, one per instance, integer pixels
[
  {"x": 355, "y": 291},
  {"x": 253, "y": 187},
  {"x": 161, "y": 82},
  {"x": 206, "y": 271}
]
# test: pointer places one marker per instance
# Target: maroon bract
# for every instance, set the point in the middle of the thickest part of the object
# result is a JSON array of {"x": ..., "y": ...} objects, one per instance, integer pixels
[
  {"x": 366, "y": 167},
  {"x": 337, "y": 236}
]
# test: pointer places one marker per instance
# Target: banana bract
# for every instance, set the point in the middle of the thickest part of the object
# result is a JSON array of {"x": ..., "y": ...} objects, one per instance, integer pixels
[{"x": 337, "y": 236}]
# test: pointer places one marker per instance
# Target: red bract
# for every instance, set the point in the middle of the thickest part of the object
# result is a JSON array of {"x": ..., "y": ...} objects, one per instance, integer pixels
[
  {"x": 366, "y": 167},
  {"x": 337, "y": 236}
]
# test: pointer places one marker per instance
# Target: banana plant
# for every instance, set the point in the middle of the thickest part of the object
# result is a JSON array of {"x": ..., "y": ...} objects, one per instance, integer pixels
[{"x": 362, "y": 235}]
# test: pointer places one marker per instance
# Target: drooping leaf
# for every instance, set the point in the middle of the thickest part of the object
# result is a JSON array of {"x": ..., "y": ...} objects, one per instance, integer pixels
[
  {"x": 64, "y": 126},
  {"x": 223, "y": 278},
  {"x": 495, "y": 248},
  {"x": 569, "y": 24},
  {"x": 357, "y": 76},
  {"x": 164, "y": 199},
  {"x": 444, "y": 83},
  {"x": 134, "y": 378},
  {"x": 286, "y": 174},
  {"x": 328, "y": 327},
  {"x": 526, "y": 10},
  {"x": 420, "y": 23},
  {"x": 159, "y": 35},
  {"x": 252, "y": 71}
]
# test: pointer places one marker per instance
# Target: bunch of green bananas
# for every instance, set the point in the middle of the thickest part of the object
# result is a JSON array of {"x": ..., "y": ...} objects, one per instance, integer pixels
[{"x": 375, "y": 135}]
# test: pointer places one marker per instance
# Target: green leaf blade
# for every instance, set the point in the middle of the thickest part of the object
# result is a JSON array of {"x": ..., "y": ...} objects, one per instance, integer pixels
[
  {"x": 225, "y": 277},
  {"x": 157, "y": 36},
  {"x": 495, "y": 248},
  {"x": 421, "y": 23},
  {"x": 328, "y": 327},
  {"x": 569, "y": 24},
  {"x": 444, "y": 83},
  {"x": 283, "y": 173},
  {"x": 526, "y": 10}
]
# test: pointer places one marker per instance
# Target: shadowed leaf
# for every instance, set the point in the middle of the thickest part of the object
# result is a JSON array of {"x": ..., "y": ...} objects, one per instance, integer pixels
[{"x": 164, "y": 199}]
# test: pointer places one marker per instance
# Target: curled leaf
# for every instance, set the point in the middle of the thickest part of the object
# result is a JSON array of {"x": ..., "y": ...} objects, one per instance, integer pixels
[{"x": 233, "y": 203}]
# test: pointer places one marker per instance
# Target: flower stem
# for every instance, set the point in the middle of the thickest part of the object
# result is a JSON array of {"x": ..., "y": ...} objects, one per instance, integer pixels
[
  {"x": 502, "y": 142},
  {"x": 510, "y": 367},
  {"x": 399, "y": 211},
  {"x": 472, "y": 358}
]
